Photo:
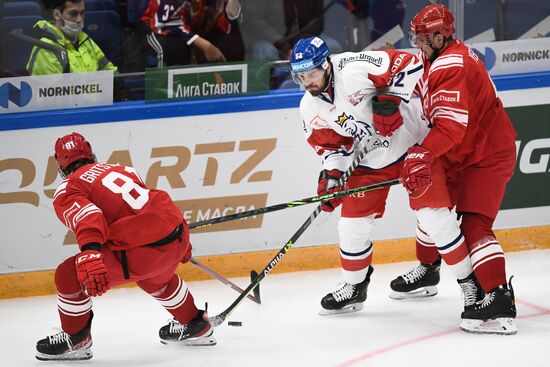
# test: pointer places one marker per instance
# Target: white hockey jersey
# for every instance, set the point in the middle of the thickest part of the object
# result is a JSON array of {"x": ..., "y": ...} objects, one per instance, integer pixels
[{"x": 338, "y": 123}]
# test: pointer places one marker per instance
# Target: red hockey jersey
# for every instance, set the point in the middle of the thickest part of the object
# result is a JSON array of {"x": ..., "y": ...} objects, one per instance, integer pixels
[
  {"x": 167, "y": 17},
  {"x": 459, "y": 100},
  {"x": 109, "y": 204}
]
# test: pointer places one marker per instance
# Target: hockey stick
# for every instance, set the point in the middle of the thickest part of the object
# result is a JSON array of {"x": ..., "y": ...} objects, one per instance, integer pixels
[
  {"x": 223, "y": 280},
  {"x": 291, "y": 204},
  {"x": 220, "y": 318},
  {"x": 254, "y": 274}
]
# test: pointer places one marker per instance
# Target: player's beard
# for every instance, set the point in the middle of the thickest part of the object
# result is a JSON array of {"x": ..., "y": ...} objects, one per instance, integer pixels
[
  {"x": 315, "y": 92},
  {"x": 318, "y": 90},
  {"x": 436, "y": 52}
]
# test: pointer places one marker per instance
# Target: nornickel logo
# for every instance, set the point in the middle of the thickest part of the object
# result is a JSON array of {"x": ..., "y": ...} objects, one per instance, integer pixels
[
  {"x": 489, "y": 58},
  {"x": 19, "y": 96}
]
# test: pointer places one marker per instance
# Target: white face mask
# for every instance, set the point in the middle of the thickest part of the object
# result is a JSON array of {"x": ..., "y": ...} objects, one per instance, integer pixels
[{"x": 70, "y": 28}]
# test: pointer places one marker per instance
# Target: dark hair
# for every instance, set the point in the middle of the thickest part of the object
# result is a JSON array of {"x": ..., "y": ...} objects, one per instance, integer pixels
[
  {"x": 60, "y": 4},
  {"x": 76, "y": 165}
]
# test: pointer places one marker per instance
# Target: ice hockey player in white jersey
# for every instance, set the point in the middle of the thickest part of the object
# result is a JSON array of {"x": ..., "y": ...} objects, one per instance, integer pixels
[{"x": 351, "y": 99}]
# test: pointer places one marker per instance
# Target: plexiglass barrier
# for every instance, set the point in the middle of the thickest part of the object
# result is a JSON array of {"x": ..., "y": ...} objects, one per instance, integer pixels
[{"x": 147, "y": 48}]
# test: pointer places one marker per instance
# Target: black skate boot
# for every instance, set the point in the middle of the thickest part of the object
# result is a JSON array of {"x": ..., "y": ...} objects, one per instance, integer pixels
[
  {"x": 349, "y": 298},
  {"x": 494, "y": 314},
  {"x": 198, "y": 331},
  {"x": 63, "y": 346},
  {"x": 471, "y": 293},
  {"x": 417, "y": 283}
]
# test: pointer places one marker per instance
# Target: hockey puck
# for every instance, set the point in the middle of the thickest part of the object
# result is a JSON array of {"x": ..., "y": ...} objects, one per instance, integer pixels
[{"x": 234, "y": 323}]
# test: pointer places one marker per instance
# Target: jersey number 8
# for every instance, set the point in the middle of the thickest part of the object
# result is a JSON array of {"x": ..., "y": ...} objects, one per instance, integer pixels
[{"x": 133, "y": 194}]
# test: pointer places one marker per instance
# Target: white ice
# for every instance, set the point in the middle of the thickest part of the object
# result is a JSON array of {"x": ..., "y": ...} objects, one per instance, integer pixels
[{"x": 286, "y": 330}]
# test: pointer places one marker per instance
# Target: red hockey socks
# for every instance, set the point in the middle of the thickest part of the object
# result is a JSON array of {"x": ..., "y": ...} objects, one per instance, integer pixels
[
  {"x": 74, "y": 306},
  {"x": 485, "y": 251},
  {"x": 176, "y": 299}
]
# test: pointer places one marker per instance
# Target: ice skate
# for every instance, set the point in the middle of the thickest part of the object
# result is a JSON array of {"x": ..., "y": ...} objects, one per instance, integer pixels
[
  {"x": 494, "y": 314},
  {"x": 348, "y": 298},
  {"x": 198, "y": 331},
  {"x": 419, "y": 282},
  {"x": 471, "y": 293},
  {"x": 63, "y": 346}
]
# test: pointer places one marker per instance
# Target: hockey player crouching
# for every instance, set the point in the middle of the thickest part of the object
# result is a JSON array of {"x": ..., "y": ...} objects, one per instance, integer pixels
[
  {"x": 348, "y": 98},
  {"x": 126, "y": 233}
]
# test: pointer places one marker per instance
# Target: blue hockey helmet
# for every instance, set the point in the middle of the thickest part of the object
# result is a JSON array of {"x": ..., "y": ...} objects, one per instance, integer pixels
[{"x": 309, "y": 53}]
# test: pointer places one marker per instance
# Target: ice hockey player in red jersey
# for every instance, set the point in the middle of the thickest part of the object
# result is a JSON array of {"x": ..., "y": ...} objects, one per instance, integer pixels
[
  {"x": 348, "y": 97},
  {"x": 126, "y": 232},
  {"x": 474, "y": 138}
]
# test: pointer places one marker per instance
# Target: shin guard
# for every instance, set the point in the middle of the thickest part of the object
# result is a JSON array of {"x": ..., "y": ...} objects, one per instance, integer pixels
[
  {"x": 442, "y": 227},
  {"x": 355, "y": 247}
]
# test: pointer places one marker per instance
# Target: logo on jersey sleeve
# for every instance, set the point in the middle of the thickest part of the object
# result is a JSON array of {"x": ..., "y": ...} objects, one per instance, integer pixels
[
  {"x": 357, "y": 97},
  {"x": 318, "y": 122},
  {"x": 445, "y": 96}
]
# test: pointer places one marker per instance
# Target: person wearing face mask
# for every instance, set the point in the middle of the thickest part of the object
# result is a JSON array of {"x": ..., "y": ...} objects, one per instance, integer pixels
[{"x": 83, "y": 54}]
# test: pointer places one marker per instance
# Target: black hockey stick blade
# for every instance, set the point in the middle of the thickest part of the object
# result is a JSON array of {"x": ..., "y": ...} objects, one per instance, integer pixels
[{"x": 253, "y": 275}]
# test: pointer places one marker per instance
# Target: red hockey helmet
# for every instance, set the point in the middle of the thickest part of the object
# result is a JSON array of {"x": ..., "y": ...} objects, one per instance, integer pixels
[
  {"x": 71, "y": 148},
  {"x": 433, "y": 18}
]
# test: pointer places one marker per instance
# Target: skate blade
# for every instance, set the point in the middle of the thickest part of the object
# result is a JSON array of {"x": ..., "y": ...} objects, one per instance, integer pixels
[
  {"x": 198, "y": 341},
  {"x": 423, "y": 292},
  {"x": 354, "y": 307},
  {"x": 499, "y": 326},
  {"x": 77, "y": 355}
]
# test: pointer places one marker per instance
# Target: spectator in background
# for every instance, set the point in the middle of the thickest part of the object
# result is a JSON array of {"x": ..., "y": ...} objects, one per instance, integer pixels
[
  {"x": 270, "y": 28},
  {"x": 218, "y": 22},
  {"x": 171, "y": 37},
  {"x": 83, "y": 54}
]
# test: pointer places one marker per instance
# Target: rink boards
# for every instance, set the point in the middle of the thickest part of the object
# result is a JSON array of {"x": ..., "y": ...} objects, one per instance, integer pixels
[{"x": 219, "y": 157}]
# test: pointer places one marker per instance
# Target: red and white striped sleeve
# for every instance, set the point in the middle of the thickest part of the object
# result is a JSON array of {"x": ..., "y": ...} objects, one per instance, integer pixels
[
  {"x": 449, "y": 103},
  {"x": 79, "y": 214}
]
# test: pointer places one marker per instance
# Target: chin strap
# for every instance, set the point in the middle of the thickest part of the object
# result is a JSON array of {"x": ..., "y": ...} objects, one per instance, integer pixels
[{"x": 437, "y": 51}]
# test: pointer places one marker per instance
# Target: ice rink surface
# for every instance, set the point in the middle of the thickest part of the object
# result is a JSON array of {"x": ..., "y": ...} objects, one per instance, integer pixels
[{"x": 287, "y": 331}]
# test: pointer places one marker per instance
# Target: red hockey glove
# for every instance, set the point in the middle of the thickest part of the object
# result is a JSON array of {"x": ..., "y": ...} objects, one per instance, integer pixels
[
  {"x": 328, "y": 183},
  {"x": 417, "y": 170},
  {"x": 92, "y": 272},
  {"x": 386, "y": 115}
]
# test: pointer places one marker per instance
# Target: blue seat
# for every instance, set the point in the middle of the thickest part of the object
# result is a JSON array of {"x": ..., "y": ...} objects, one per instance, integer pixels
[
  {"x": 103, "y": 26},
  {"x": 20, "y": 8},
  {"x": 94, "y": 5},
  {"x": 15, "y": 53}
]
